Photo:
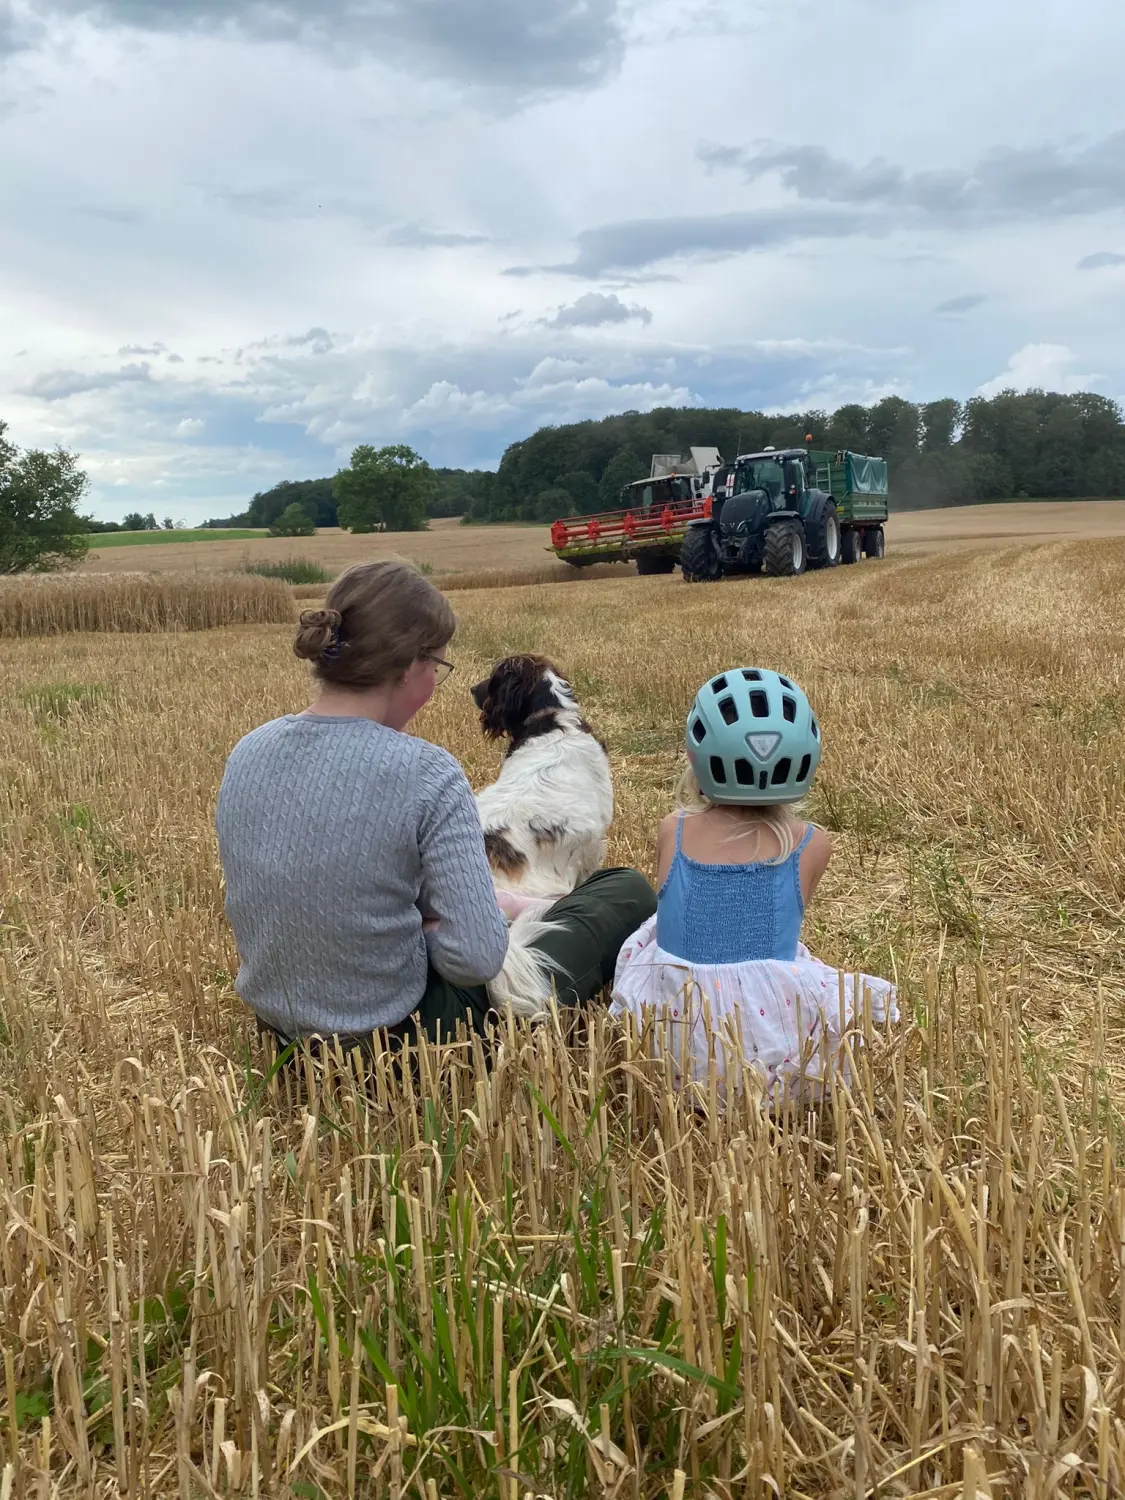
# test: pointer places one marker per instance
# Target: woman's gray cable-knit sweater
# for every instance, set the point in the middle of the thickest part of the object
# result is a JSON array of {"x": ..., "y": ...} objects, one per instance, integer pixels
[{"x": 336, "y": 837}]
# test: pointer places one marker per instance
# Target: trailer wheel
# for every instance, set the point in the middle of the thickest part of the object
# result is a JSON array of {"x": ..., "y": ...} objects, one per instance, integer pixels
[
  {"x": 874, "y": 542},
  {"x": 849, "y": 546},
  {"x": 654, "y": 562},
  {"x": 699, "y": 557},
  {"x": 785, "y": 553}
]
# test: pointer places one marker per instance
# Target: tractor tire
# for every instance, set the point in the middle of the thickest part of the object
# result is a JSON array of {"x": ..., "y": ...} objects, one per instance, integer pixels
[
  {"x": 785, "y": 552},
  {"x": 850, "y": 546},
  {"x": 699, "y": 557},
  {"x": 874, "y": 542},
  {"x": 822, "y": 532},
  {"x": 654, "y": 562}
]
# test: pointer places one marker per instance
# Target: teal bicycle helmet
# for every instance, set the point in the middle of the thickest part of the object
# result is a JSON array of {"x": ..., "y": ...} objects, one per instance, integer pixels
[{"x": 753, "y": 738}]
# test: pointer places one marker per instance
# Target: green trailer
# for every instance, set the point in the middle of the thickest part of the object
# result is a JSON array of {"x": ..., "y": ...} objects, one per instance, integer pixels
[{"x": 858, "y": 485}]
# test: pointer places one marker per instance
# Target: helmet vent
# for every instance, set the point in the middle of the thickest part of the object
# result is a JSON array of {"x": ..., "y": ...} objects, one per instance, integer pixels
[
  {"x": 815, "y": 730},
  {"x": 763, "y": 781},
  {"x": 803, "y": 768},
  {"x": 728, "y": 710},
  {"x": 698, "y": 730},
  {"x": 781, "y": 771},
  {"x": 789, "y": 709},
  {"x": 785, "y": 682},
  {"x": 759, "y": 705},
  {"x": 719, "y": 685},
  {"x": 743, "y": 772},
  {"x": 718, "y": 771},
  {"x": 751, "y": 674}
]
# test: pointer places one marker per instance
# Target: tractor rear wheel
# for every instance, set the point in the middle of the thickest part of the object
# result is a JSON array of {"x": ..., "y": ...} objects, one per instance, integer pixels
[
  {"x": 785, "y": 553},
  {"x": 874, "y": 542},
  {"x": 822, "y": 531},
  {"x": 699, "y": 557},
  {"x": 849, "y": 546},
  {"x": 654, "y": 562}
]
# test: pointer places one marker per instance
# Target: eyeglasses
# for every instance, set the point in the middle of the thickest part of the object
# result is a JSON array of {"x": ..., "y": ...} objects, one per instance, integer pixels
[{"x": 444, "y": 669}]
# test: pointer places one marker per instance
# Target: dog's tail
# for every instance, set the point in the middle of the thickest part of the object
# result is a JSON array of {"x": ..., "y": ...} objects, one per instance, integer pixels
[{"x": 524, "y": 985}]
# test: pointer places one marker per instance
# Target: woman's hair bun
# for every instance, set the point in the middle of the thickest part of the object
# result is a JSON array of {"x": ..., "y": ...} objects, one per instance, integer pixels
[{"x": 317, "y": 632}]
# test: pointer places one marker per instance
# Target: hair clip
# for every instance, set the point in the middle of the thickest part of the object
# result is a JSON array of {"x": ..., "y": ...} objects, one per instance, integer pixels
[{"x": 332, "y": 650}]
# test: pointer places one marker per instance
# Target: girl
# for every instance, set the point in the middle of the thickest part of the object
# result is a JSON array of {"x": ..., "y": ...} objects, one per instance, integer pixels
[{"x": 736, "y": 869}]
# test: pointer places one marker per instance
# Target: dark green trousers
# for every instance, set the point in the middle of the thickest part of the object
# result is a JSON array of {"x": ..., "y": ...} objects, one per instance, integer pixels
[{"x": 593, "y": 922}]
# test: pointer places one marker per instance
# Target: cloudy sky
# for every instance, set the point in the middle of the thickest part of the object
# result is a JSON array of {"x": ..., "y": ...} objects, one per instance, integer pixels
[{"x": 239, "y": 236}]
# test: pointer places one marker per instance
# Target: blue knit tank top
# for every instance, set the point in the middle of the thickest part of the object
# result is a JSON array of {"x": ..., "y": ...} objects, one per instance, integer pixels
[{"x": 730, "y": 914}]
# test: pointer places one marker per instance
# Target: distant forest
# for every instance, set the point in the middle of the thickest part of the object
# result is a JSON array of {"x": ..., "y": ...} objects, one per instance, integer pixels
[{"x": 1030, "y": 445}]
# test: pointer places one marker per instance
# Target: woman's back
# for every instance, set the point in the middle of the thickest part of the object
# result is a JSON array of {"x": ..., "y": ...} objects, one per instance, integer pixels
[
  {"x": 716, "y": 906},
  {"x": 335, "y": 835}
]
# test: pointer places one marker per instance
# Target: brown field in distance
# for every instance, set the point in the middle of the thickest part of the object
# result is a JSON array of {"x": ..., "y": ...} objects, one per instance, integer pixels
[
  {"x": 214, "y": 1284},
  {"x": 450, "y": 547}
]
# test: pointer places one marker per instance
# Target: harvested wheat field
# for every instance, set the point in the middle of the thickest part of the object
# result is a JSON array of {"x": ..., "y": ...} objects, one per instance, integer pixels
[
  {"x": 553, "y": 1276},
  {"x": 450, "y": 548}
]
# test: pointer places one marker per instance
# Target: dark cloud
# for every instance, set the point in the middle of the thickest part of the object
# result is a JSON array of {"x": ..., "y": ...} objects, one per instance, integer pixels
[
  {"x": 316, "y": 341},
  {"x": 1100, "y": 260},
  {"x": 637, "y": 243},
  {"x": 957, "y": 305},
  {"x": 594, "y": 309},
  {"x": 1047, "y": 181},
  {"x": 514, "y": 44},
  {"x": 57, "y": 385},
  {"x": 417, "y": 237}
]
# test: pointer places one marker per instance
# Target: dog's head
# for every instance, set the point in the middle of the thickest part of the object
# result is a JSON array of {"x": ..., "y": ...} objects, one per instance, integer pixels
[{"x": 521, "y": 697}]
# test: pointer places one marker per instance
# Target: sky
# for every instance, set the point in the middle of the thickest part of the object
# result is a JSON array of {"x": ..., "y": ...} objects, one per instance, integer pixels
[{"x": 238, "y": 237}]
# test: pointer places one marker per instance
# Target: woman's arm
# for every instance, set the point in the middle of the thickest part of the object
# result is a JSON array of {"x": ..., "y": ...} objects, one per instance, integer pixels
[{"x": 465, "y": 929}]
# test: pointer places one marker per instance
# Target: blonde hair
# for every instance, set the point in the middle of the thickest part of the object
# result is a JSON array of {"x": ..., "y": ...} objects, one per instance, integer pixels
[
  {"x": 777, "y": 816},
  {"x": 378, "y": 618}
]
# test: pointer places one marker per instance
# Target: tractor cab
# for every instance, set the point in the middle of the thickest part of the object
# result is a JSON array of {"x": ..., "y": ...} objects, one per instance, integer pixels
[{"x": 780, "y": 476}]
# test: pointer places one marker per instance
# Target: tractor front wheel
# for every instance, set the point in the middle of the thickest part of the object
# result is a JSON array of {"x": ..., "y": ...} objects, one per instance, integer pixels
[
  {"x": 699, "y": 557},
  {"x": 785, "y": 553},
  {"x": 654, "y": 562},
  {"x": 874, "y": 542}
]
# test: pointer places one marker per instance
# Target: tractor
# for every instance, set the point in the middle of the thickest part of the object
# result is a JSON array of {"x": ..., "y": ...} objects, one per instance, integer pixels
[{"x": 781, "y": 511}]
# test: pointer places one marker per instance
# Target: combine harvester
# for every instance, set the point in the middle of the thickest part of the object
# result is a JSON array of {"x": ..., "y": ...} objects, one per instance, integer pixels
[{"x": 780, "y": 510}]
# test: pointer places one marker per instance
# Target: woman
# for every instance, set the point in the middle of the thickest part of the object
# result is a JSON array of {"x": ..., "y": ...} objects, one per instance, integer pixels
[{"x": 356, "y": 879}]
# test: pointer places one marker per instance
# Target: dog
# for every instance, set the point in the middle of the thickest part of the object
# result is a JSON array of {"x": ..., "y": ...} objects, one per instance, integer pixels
[{"x": 546, "y": 817}]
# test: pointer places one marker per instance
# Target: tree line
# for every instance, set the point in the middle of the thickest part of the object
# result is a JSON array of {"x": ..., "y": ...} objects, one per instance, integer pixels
[{"x": 1029, "y": 445}]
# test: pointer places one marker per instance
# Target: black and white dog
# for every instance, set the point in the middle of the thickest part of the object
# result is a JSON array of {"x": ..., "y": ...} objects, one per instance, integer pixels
[{"x": 546, "y": 816}]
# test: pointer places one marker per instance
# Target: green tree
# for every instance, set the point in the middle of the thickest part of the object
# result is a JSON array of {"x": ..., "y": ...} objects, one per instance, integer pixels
[
  {"x": 40, "y": 528},
  {"x": 384, "y": 489},
  {"x": 294, "y": 520},
  {"x": 625, "y": 466},
  {"x": 582, "y": 487},
  {"x": 134, "y": 521},
  {"x": 552, "y": 503},
  {"x": 939, "y": 421}
]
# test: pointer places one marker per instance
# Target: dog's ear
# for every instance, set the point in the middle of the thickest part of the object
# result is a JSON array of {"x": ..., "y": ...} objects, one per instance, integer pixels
[{"x": 507, "y": 697}]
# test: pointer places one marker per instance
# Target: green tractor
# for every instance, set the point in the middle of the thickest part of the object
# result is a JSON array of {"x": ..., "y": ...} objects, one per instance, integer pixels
[{"x": 782, "y": 511}]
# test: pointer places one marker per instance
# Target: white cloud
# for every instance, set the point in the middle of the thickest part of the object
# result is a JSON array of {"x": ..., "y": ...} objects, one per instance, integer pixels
[
  {"x": 190, "y": 426},
  {"x": 1048, "y": 367}
]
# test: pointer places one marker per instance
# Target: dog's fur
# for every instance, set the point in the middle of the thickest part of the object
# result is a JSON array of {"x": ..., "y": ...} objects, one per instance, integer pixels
[{"x": 546, "y": 817}]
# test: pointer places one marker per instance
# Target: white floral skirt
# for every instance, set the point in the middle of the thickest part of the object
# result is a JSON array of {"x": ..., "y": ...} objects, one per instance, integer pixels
[{"x": 785, "y": 1020}]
